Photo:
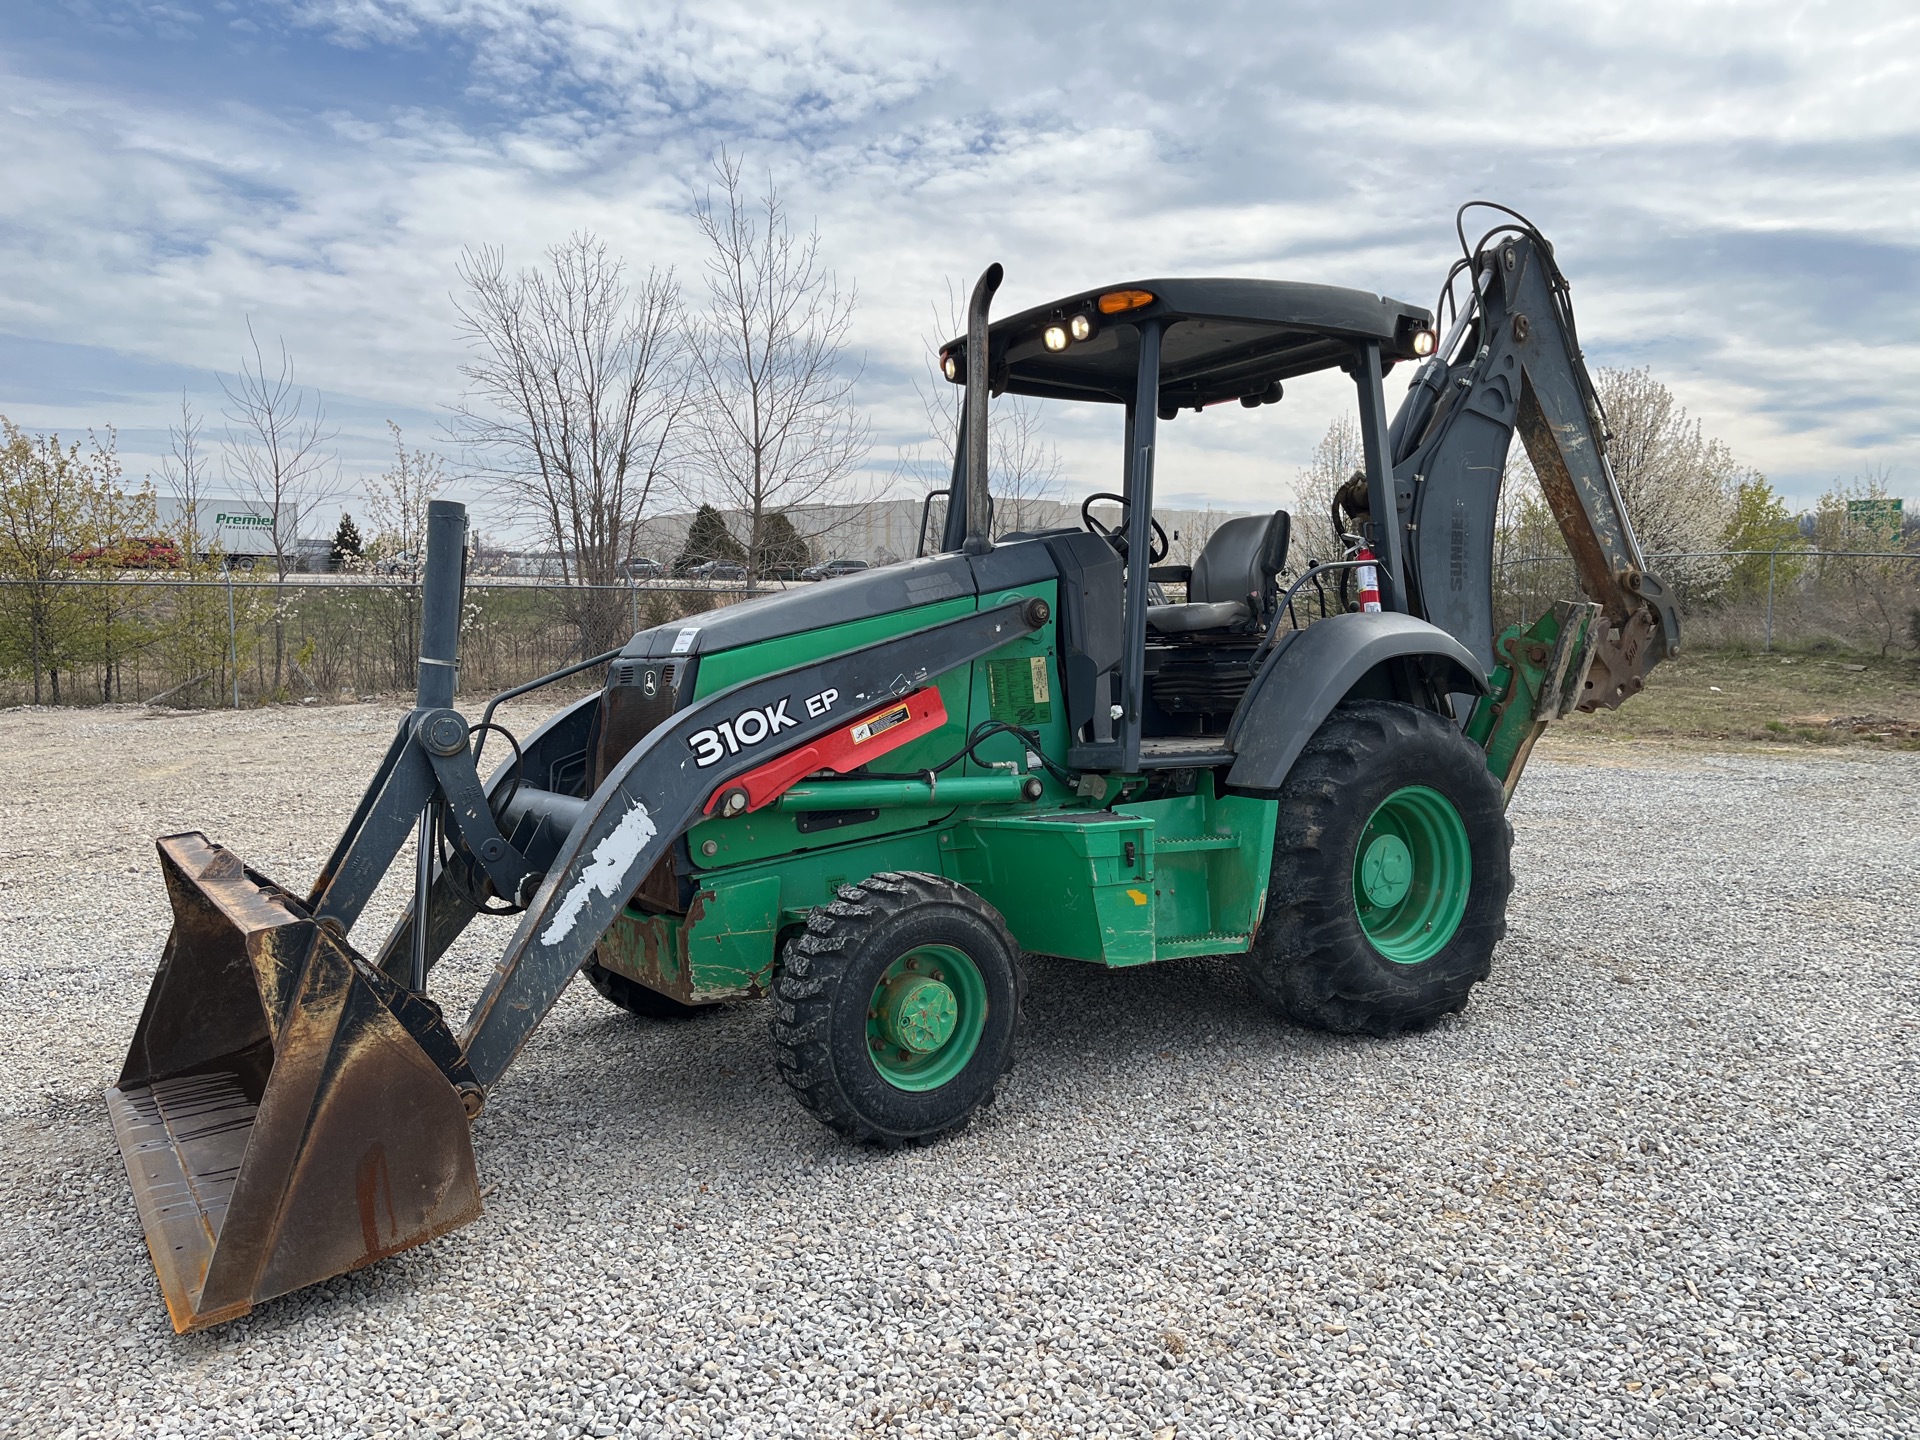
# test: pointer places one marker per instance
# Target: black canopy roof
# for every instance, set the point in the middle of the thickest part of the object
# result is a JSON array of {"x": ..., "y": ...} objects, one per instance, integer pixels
[{"x": 1234, "y": 338}]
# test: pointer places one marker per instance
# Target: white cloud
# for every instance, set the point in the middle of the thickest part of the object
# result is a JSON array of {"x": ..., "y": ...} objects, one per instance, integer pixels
[{"x": 1685, "y": 157}]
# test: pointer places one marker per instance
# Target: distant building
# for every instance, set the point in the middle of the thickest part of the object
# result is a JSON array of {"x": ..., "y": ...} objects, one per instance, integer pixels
[{"x": 889, "y": 530}]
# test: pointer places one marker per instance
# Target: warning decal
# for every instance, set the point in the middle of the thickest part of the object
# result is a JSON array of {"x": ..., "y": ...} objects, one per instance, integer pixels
[{"x": 1019, "y": 691}]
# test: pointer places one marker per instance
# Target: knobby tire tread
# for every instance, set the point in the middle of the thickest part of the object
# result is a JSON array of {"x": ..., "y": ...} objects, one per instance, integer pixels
[
  {"x": 1311, "y": 959},
  {"x": 806, "y": 988}
]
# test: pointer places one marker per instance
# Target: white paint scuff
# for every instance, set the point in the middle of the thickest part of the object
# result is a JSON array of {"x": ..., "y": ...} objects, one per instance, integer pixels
[{"x": 606, "y": 873}]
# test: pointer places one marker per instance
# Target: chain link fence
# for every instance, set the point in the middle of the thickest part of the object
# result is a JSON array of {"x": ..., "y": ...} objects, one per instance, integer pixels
[
  {"x": 1857, "y": 601},
  {"x": 233, "y": 641}
]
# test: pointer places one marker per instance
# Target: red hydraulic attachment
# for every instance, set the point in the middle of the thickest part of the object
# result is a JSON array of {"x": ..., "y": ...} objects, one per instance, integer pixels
[
  {"x": 848, "y": 748},
  {"x": 1369, "y": 582}
]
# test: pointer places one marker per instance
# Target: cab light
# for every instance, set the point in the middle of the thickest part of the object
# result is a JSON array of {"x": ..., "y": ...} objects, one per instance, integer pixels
[
  {"x": 949, "y": 366},
  {"x": 1118, "y": 302},
  {"x": 1423, "y": 342},
  {"x": 1054, "y": 337},
  {"x": 1081, "y": 327}
]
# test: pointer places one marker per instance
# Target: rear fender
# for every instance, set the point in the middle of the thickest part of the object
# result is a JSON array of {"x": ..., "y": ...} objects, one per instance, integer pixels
[{"x": 1380, "y": 655}]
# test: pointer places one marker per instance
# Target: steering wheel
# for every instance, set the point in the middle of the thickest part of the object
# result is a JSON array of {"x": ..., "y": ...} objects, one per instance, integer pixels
[{"x": 1116, "y": 536}]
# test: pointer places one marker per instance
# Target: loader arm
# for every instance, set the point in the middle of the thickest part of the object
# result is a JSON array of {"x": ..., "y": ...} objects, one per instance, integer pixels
[
  {"x": 660, "y": 788},
  {"x": 1512, "y": 361}
]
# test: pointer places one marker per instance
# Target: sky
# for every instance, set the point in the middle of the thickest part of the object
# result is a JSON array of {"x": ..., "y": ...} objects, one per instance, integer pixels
[{"x": 1732, "y": 189}]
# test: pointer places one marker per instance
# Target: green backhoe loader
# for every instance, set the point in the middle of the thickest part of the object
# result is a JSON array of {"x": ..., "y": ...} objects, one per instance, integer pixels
[{"x": 864, "y": 801}]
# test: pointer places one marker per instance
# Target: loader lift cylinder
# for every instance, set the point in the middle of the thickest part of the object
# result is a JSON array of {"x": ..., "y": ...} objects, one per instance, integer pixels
[{"x": 443, "y": 589}]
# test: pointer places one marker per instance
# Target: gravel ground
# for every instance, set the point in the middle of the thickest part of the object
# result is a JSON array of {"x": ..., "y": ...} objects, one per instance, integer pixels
[{"x": 1658, "y": 1180}]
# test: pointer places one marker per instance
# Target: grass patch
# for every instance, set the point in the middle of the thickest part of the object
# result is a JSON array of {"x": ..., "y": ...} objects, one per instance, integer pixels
[{"x": 1819, "y": 699}]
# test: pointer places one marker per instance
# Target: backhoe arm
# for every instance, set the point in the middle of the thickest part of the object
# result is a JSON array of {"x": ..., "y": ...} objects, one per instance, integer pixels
[{"x": 1512, "y": 362}]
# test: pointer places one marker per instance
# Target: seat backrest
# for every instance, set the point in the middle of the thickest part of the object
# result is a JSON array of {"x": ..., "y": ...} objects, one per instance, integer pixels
[{"x": 1241, "y": 558}]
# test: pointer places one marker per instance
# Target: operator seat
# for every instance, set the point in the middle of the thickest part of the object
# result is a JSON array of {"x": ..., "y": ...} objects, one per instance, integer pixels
[{"x": 1233, "y": 580}]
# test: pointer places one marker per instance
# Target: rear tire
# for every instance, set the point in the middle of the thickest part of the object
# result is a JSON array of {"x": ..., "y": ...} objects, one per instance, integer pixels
[
  {"x": 637, "y": 999},
  {"x": 898, "y": 1011},
  {"x": 1391, "y": 872}
]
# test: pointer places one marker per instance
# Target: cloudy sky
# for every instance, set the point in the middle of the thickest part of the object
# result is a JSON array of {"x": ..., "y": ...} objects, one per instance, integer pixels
[{"x": 1732, "y": 188}]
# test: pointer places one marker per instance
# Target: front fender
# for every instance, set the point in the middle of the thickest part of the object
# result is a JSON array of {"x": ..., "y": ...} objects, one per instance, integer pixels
[{"x": 1313, "y": 670}]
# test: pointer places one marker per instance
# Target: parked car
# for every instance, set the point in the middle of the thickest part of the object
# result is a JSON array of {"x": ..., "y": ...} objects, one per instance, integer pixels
[
  {"x": 719, "y": 570},
  {"x": 783, "y": 571},
  {"x": 145, "y": 552},
  {"x": 642, "y": 567},
  {"x": 832, "y": 569}
]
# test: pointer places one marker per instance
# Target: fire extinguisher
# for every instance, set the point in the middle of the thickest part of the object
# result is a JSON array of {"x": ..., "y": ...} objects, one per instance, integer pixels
[{"x": 1369, "y": 582}]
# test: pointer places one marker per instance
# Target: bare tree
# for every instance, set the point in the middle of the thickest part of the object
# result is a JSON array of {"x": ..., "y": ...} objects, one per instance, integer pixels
[
  {"x": 198, "y": 639},
  {"x": 1338, "y": 455},
  {"x": 276, "y": 454},
  {"x": 397, "y": 503},
  {"x": 577, "y": 390},
  {"x": 183, "y": 469},
  {"x": 775, "y": 423}
]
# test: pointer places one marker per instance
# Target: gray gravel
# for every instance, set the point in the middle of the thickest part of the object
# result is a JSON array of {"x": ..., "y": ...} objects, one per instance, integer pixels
[{"x": 1658, "y": 1180}]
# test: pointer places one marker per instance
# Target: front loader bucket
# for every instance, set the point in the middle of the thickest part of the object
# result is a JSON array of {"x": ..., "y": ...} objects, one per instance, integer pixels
[{"x": 287, "y": 1113}]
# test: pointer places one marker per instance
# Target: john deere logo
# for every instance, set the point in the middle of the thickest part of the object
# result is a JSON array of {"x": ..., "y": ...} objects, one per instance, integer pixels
[{"x": 247, "y": 519}]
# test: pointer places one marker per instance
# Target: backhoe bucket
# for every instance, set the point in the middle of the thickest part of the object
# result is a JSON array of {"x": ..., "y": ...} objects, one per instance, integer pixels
[{"x": 287, "y": 1112}]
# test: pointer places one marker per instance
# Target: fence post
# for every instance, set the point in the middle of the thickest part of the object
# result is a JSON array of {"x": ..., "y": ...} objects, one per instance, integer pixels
[
  {"x": 1768, "y": 647},
  {"x": 233, "y": 640}
]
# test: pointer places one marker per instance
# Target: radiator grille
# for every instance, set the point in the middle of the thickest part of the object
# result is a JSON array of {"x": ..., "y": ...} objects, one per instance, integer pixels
[{"x": 640, "y": 694}]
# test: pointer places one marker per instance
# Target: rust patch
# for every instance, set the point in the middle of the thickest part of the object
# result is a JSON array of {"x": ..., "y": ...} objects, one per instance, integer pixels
[{"x": 372, "y": 1186}]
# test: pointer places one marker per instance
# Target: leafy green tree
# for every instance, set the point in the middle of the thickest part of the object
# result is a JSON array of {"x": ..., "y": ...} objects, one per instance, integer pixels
[
  {"x": 49, "y": 509},
  {"x": 118, "y": 621},
  {"x": 708, "y": 539},
  {"x": 347, "y": 545},
  {"x": 1761, "y": 521}
]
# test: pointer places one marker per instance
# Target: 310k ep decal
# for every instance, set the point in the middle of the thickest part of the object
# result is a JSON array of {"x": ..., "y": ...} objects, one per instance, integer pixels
[{"x": 751, "y": 726}]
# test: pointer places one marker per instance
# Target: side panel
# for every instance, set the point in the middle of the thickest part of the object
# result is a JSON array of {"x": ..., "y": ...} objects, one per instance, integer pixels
[
  {"x": 767, "y": 869},
  {"x": 769, "y": 834},
  {"x": 1076, "y": 883}
]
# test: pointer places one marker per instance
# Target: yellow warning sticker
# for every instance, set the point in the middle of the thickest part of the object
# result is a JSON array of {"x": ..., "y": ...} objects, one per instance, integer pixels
[
  {"x": 1139, "y": 897},
  {"x": 867, "y": 729}
]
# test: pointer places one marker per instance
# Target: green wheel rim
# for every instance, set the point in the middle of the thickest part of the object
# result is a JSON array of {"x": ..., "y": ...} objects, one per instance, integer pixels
[
  {"x": 925, "y": 1017},
  {"x": 1411, "y": 874}
]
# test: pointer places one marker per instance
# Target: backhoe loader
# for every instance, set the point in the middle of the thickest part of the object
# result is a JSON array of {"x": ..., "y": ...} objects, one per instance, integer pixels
[{"x": 866, "y": 800}]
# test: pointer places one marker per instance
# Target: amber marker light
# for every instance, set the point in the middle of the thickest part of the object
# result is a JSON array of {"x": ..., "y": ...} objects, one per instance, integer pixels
[{"x": 1118, "y": 302}]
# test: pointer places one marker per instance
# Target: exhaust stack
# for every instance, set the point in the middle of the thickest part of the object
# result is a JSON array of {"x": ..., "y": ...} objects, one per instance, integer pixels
[{"x": 979, "y": 539}]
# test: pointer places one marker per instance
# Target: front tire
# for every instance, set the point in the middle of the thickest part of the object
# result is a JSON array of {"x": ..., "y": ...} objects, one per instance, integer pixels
[
  {"x": 898, "y": 1011},
  {"x": 1391, "y": 872}
]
